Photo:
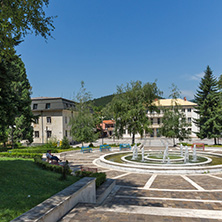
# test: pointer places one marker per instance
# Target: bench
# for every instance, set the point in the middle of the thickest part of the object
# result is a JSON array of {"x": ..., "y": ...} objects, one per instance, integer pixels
[
  {"x": 198, "y": 145},
  {"x": 86, "y": 149},
  {"x": 124, "y": 146},
  {"x": 104, "y": 147},
  {"x": 51, "y": 161},
  {"x": 93, "y": 170}
]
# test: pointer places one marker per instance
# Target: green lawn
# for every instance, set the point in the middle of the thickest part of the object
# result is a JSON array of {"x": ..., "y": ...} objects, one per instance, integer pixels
[{"x": 23, "y": 185}]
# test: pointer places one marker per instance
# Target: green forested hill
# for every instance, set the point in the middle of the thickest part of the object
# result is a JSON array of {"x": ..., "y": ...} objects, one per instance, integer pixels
[{"x": 103, "y": 101}]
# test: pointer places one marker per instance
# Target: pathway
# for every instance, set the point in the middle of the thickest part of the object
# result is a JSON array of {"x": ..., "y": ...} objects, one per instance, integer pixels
[{"x": 152, "y": 197}]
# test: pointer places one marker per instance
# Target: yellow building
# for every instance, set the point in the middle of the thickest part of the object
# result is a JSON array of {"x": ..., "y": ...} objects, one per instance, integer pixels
[{"x": 156, "y": 117}]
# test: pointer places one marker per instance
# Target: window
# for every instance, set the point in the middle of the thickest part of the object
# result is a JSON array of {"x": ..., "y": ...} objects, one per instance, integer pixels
[
  {"x": 36, "y": 134},
  {"x": 48, "y": 119},
  {"x": 36, "y": 121},
  {"x": 35, "y": 106},
  {"x": 189, "y": 129},
  {"x": 65, "y": 119},
  {"x": 49, "y": 134},
  {"x": 66, "y": 133},
  {"x": 183, "y": 110},
  {"x": 189, "y": 110},
  {"x": 151, "y": 120},
  {"x": 47, "y": 105},
  {"x": 189, "y": 120},
  {"x": 158, "y": 120}
]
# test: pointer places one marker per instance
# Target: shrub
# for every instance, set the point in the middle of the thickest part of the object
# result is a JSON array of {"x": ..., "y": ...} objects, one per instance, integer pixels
[
  {"x": 56, "y": 168},
  {"x": 38, "y": 149},
  {"x": 22, "y": 155},
  {"x": 91, "y": 145},
  {"x": 186, "y": 144},
  {"x": 100, "y": 177},
  {"x": 65, "y": 143},
  {"x": 52, "y": 142}
]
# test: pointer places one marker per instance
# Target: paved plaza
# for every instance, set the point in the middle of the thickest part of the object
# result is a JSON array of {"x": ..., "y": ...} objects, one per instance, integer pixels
[{"x": 151, "y": 197}]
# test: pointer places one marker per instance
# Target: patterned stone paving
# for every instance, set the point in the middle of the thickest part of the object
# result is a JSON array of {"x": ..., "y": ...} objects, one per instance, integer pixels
[
  {"x": 198, "y": 195},
  {"x": 83, "y": 213},
  {"x": 135, "y": 180},
  {"x": 207, "y": 182},
  {"x": 171, "y": 182},
  {"x": 179, "y": 198}
]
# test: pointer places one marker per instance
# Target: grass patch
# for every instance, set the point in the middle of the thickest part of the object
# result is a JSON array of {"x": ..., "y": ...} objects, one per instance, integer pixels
[{"x": 20, "y": 178}]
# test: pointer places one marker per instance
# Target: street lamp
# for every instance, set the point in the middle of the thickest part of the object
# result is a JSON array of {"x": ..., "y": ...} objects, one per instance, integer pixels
[{"x": 102, "y": 130}]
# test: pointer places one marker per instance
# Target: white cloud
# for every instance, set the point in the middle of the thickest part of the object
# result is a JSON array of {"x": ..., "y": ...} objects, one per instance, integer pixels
[
  {"x": 189, "y": 94},
  {"x": 197, "y": 76}
]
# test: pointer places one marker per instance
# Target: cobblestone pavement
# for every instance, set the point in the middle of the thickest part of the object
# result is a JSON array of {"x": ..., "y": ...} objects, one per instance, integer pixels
[{"x": 151, "y": 197}]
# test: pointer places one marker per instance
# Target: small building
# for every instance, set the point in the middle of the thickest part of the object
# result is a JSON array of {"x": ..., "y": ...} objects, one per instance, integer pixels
[
  {"x": 108, "y": 127},
  {"x": 54, "y": 115}
]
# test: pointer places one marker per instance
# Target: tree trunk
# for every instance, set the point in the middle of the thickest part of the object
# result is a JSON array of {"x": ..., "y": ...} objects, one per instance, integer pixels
[
  {"x": 215, "y": 141},
  {"x": 12, "y": 138},
  {"x": 133, "y": 138}
]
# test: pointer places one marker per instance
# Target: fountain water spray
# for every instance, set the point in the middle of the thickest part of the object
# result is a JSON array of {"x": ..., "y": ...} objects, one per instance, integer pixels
[
  {"x": 133, "y": 158},
  {"x": 142, "y": 153},
  {"x": 135, "y": 152},
  {"x": 186, "y": 156},
  {"x": 194, "y": 153},
  {"x": 165, "y": 154},
  {"x": 181, "y": 149}
]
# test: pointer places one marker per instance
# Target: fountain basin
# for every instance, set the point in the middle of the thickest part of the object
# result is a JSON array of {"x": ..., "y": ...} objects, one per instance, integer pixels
[
  {"x": 137, "y": 167},
  {"x": 174, "y": 157}
]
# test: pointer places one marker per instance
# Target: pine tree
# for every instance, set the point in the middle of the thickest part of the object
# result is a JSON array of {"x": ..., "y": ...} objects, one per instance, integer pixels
[
  {"x": 15, "y": 109},
  {"x": 208, "y": 107}
]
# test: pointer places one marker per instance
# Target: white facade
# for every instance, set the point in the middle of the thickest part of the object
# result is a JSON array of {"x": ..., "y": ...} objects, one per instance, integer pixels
[
  {"x": 156, "y": 118},
  {"x": 53, "y": 121}
]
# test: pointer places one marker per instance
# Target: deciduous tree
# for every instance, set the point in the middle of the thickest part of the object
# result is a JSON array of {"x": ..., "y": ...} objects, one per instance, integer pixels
[
  {"x": 83, "y": 123},
  {"x": 130, "y": 105},
  {"x": 174, "y": 123},
  {"x": 19, "y": 18}
]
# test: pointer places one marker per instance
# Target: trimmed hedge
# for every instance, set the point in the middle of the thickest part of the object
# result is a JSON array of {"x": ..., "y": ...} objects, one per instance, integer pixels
[
  {"x": 22, "y": 155},
  {"x": 100, "y": 177},
  {"x": 47, "y": 166},
  {"x": 34, "y": 150}
]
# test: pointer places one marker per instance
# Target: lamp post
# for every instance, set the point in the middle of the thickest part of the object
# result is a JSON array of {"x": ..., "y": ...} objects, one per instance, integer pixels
[{"x": 102, "y": 130}]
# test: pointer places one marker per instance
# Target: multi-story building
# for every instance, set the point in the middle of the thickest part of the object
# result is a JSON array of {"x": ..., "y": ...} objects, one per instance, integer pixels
[
  {"x": 156, "y": 117},
  {"x": 54, "y": 114}
]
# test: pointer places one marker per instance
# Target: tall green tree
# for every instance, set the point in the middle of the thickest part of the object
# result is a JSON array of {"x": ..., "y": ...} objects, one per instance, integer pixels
[
  {"x": 130, "y": 105},
  {"x": 83, "y": 122},
  {"x": 208, "y": 107},
  {"x": 19, "y": 18},
  {"x": 174, "y": 123},
  {"x": 15, "y": 92}
]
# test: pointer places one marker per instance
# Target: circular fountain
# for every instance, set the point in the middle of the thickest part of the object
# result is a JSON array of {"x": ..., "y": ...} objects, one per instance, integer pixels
[{"x": 158, "y": 161}]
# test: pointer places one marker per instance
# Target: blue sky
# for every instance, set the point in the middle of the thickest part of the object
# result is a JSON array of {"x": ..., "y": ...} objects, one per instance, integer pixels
[{"x": 107, "y": 43}]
